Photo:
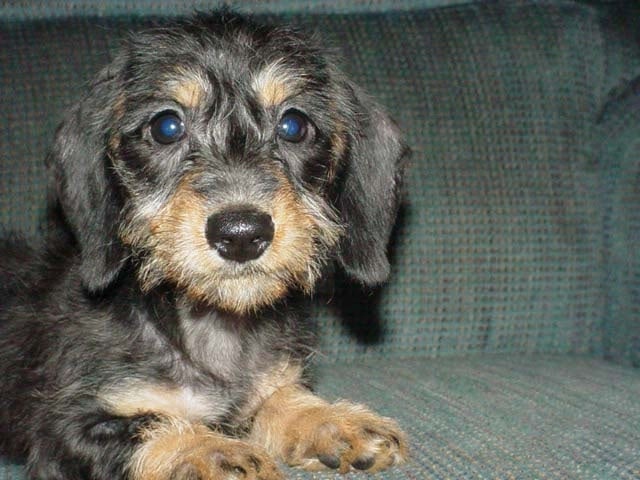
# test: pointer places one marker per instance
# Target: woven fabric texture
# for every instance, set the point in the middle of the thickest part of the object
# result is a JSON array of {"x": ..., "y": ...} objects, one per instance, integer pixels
[
  {"x": 620, "y": 161},
  {"x": 26, "y": 9},
  {"x": 496, "y": 417},
  {"x": 499, "y": 247}
]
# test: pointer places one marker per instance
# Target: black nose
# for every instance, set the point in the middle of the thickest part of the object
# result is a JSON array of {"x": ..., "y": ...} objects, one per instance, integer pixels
[{"x": 240, "y": 235}]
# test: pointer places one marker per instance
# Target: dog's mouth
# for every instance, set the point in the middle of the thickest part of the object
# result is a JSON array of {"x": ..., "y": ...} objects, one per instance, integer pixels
[{"x": 248, "y": 286}]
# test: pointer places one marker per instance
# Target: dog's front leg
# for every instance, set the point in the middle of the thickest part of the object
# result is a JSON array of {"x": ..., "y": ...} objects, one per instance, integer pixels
[
  {"x": 305, "y": 431},
  {"x": 147, "y": 447},
  {"x": 173, "y": 449},
  {"x": 73, "y": 443}
]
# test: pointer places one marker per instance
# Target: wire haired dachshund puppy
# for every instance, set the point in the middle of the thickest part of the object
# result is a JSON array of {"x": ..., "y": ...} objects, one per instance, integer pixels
[{"x": 210, "y": 176}]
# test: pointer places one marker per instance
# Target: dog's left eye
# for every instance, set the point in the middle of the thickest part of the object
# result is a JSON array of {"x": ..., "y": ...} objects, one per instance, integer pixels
[
  {"x": 167, "y": 127},
  {"x": 293, "y": 126}
]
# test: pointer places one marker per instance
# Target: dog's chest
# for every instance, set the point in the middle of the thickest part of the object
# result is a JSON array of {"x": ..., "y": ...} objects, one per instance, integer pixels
[
  {"x": 214, "y": 346},
  {"x": 212, "y": 375}
]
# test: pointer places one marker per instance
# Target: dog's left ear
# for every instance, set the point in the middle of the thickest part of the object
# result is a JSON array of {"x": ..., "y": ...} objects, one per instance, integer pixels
[{"x": 370, "y": 191}]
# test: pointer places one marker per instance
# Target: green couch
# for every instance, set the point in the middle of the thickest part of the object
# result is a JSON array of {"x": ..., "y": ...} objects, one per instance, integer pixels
[{"x": 507, "y": 342}]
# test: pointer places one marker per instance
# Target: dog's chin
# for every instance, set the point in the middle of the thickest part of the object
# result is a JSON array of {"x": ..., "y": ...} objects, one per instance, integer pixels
[{"x": 241, "y": 295}]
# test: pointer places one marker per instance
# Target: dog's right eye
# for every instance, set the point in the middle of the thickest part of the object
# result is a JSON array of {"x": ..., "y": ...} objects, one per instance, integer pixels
[{"x": 167, "y": 127}]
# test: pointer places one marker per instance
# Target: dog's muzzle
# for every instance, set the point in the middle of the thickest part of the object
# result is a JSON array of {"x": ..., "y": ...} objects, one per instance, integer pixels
[{"x": 240, "y": 235}]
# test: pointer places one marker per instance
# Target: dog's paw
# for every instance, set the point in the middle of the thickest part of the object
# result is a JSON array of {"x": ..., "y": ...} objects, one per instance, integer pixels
[
  {"x": 195, "y": 453},
  {"x": 230, "y": 461},
  {"x": 344, "y": 436}
]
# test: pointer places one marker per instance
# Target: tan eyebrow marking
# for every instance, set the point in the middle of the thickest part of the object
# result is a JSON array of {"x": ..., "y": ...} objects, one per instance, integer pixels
[
  {"x": 275, "y": 83},
  {"x": 190, "y": 90}
]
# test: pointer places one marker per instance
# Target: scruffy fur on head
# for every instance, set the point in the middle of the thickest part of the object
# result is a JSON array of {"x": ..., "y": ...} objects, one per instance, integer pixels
[{"x": 213, "y": 171}]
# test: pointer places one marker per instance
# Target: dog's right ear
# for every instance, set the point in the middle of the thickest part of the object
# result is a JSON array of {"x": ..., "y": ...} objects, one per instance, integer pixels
[{"x": 84, "y": 183}]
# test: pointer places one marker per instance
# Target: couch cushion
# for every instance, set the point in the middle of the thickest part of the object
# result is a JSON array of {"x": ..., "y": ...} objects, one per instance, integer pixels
[
  {"x": 499, "y": 245},
  {"x": 620, "y": 164},
  {"x": 492, "y": 416},
  {"x": 524, "y": 417}
]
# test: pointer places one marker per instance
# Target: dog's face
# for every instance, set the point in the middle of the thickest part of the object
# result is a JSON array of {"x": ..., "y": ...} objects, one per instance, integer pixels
[{"x": 231, "y": 160}]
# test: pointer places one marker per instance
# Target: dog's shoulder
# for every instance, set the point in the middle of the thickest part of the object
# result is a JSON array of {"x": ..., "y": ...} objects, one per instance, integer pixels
[
  {"x": 31, "y": 266},
  {"x": 20, "y": 259}
]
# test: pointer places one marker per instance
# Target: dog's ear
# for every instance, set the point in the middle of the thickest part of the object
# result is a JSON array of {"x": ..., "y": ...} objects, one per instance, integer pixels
[
  {"x": 84, "y": 183},
  {"x": 370, "y": 190}
]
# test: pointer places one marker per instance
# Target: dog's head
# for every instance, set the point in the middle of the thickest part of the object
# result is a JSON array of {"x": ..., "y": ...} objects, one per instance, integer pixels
[{"x": 229, "y": 159}]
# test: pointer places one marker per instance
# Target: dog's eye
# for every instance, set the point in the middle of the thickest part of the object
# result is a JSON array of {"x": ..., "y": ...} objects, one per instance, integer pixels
[
  {"x": 167, "y": 127},
  {"x": 293, "y": 126}
]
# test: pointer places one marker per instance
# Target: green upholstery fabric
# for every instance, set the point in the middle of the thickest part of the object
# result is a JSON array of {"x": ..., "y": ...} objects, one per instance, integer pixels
[
  {"x": 620, "y": 157},
  {"x": 521, "y": 417},
  {"x": 27, "y": 9},
  {"x": 519, "y": 234}
]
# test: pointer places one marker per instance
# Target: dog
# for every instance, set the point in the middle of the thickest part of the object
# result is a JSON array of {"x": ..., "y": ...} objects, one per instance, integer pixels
[{"x": 211, "y": 176}]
